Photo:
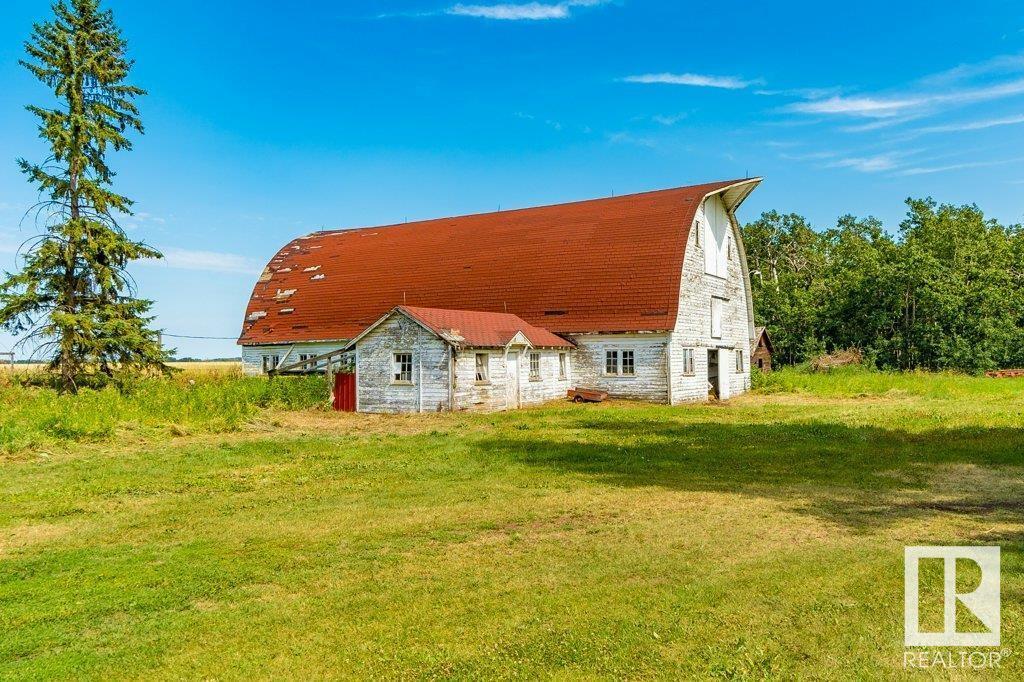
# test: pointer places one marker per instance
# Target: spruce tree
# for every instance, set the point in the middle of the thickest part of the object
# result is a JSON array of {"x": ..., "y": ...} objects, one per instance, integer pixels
[{"x": 73, "y": 299}]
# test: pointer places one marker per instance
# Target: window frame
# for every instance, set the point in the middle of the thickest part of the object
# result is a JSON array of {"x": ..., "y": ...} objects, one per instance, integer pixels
[
  {"x": 689, "y": 362},
  {"x": 483, "y": 377},
  {"x": 397, "y": 368},
  {"x": 632, "y": 363},
  {"x": 611, "y": 354},
  {"x": 618, "y": 354},
  {"x": 717, "y": 305},
  {"x": 271, "y": 362},
  {"x": 563, "y": 366},
  {"x": 534, "y": 372},
  {"x": 739, "y": 361}
]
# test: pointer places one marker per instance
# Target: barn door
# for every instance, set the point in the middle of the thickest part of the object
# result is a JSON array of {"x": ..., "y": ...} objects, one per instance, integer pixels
[
  {"x": 345, "y": 392},
  {"x": 725, "y": 364}
]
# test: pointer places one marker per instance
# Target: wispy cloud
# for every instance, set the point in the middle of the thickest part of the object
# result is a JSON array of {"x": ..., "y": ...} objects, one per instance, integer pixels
[
  {"x": 809, "y": 156},
  {"x": 873, "y": 107},
  {"x": 867, "y": 164},
  {"x": 908, "y": 105},
  {"x": 629, "y": 138},
  {"x": 551, "y": 123},
  {"x": 669, "y": 120},
  {"x": 973, "y": 125},
  {"x": 998, "y": 65},
  {"x": 927, "y": 170},
  {"x": 693, "y": 79},
  {"x": 209, "y": 261},
  {"x": 530, "y": 11}
]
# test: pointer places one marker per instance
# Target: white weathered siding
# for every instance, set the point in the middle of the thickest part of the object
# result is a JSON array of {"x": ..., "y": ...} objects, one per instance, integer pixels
[
  {"x": 376, "y": 391},
  {"x": 492, "y": 395},
  {"x": 252, "y": 356},
  {"x": 548, "y": 386},
  {"x": 651, "y": 379},
  {"x": 487, "y": 396},
  {"x": 693, "y": 326}
]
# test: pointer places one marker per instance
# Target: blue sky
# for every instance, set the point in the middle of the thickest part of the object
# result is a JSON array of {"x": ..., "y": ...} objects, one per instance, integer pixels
[{"x": 265, "y": 121}]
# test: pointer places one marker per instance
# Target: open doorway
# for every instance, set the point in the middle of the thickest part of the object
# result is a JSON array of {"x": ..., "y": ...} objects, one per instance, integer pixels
[{"x": 713, "y": 385}]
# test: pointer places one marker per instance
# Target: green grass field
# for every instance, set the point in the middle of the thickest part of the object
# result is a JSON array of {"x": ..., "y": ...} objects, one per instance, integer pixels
[{"x": 762, "y": 538}]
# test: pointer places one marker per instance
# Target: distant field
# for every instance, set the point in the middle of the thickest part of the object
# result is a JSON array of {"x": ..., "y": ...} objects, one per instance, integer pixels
[
  {"x": 199, "y": 367},
  {"x": 759, "y": 539}
]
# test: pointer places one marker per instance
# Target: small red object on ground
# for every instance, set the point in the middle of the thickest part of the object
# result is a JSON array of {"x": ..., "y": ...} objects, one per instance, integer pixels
[{"x": 589, "y": 395}]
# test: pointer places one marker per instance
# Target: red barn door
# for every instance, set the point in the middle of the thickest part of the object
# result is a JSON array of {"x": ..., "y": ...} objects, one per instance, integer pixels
[{"x": 345, "y": 392}]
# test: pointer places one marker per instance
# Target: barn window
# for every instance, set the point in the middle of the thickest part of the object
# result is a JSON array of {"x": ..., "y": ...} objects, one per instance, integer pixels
[
  {"x": 562, "y": 360},
  {"x": 611, "y": 362},
  {"x": 697, "y": 227},
  {"x": 688, "y": 361},
  {"x": 534, "y": 366},
  {"x": 716, "y": 318},
  {"x": 628, "y": 366},
  {"x": 739, "y": 361},
  {"x": 270, "y": 362},
  {"x": 402, "y": 368},
  {"x": 482, "y": 368}
]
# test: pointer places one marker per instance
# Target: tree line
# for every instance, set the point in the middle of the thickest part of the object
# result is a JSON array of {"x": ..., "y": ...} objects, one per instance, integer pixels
[{"x": 945, "y": 292}]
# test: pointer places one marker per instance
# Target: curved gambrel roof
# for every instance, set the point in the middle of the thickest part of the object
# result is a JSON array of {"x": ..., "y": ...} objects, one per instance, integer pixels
[{"x": 603, "y": 265}]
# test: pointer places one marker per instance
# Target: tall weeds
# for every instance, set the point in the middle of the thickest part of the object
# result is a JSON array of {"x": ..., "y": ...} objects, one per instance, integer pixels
[{"x": 34, "y": 416}]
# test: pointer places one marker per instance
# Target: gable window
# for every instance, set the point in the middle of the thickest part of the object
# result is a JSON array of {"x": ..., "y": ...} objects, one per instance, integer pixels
[
  {"x": 562, "y": 360},
  {"x": 611, "y": 362},
  {"x": 482, "y": 368},
  {"x": 739, "y": 361},
  {"x": 534, "y": 366},
  {"x": 716, "y": 318},
  {"x": 628, "y": 366},
  {"x": 270, "y": 362},
  {"x": 697, "y": 227},
  {"x": 688, "y": 361},
  {"x": 402, "y": 368}
]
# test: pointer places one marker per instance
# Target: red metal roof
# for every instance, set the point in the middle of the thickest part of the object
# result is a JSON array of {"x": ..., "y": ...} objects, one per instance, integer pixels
[
  {"x": 481, "y": 329},
  {"x": 604, "y": 265}
]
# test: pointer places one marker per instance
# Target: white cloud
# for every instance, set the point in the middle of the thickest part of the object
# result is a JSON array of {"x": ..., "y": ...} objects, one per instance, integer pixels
[
  {"x": 627, "y": 138},
  {"x": 867, "y": 164},
  {"x": 209, "y": 261},
  {"x": 693, "y": 79},
  {"x": 530, "y": 11},
  {"x": 906, "y": 105},
  {"x": 973, "y": 125},
  {"x": 1001, "y": 64},
  {"x": 927, "y": 170},
  {"x": 809, "y": 156},
  {"x": 668, "y": 120}
]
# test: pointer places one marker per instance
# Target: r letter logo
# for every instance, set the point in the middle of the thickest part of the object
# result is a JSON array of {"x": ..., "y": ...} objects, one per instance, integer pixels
[{"x": 983, "y": 601}]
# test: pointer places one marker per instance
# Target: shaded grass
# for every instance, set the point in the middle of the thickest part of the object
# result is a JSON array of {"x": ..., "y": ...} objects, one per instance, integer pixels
[{"x": 759, "y": 539}]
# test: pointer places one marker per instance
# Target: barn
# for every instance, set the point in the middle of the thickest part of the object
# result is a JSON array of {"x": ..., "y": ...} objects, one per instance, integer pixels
[
  {"x": 761, "y": 350},
  {"x": 645, "y": 296}
]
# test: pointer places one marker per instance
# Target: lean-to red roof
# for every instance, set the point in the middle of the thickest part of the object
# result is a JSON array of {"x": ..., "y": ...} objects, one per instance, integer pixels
[
  {"x": 604, "y": 265},
  {"x": 482, "y": 329}
]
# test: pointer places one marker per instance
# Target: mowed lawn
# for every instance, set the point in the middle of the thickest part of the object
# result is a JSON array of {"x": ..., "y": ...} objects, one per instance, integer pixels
[{"x": 760, "y": 538}]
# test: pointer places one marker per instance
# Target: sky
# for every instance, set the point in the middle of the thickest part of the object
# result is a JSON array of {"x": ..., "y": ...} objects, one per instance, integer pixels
[{"x": 268, "y": 120}]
